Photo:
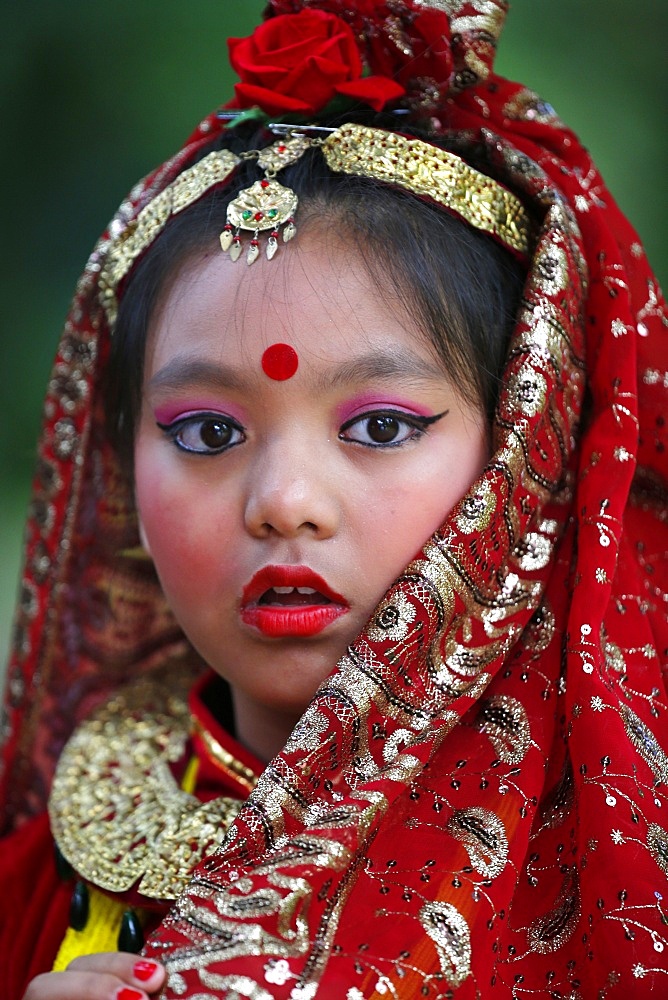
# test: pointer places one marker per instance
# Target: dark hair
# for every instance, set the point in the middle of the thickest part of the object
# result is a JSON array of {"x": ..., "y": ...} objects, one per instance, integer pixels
[{"x": 459, "y": 286}]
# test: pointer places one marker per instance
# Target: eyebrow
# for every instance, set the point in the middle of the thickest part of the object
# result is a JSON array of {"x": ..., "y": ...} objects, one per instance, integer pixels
[
  {"x": 383, "y": 366},
  {"x": 183, "y": 371}
]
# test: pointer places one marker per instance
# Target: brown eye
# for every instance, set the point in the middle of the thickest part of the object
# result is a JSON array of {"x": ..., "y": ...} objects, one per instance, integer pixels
[
  {"x": 204, "y": 434},
  {"x": 385, "y": 428},
  {"x": 215, "y": 433},
  {"x": 382, "y": 429}
]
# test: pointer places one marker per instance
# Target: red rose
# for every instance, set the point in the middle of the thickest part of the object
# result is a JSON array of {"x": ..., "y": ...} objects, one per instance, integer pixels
[
  {"x": 298, "y": 62},
  {"x": 404, "y": 41}
]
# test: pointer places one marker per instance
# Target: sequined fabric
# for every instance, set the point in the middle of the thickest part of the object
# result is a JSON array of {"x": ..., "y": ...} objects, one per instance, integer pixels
[{"x": 474, "y": 804}]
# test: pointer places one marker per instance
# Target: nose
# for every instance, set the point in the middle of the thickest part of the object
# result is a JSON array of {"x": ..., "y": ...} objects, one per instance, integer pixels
[{"x": 291, "y": 493}]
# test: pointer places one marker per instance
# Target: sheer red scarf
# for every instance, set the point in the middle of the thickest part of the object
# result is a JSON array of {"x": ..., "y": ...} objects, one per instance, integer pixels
[{"x": 474, "y": 801}]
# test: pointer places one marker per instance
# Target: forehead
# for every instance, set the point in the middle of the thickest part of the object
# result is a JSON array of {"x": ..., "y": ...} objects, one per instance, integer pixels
[{"x": 316, "y": 295}]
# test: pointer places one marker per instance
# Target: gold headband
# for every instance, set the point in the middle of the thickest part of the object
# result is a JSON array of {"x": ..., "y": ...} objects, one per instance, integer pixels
[{"x": 411, "y": 164}]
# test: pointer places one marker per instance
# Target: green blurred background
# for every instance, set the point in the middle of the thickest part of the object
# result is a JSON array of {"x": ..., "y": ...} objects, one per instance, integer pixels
[{"x": 94, "y": 95}]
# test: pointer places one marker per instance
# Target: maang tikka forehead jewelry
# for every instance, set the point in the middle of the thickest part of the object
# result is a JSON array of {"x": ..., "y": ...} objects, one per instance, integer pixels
[
  {"x": 266, "y": 205},
  {"x": 413, "y": 165}
]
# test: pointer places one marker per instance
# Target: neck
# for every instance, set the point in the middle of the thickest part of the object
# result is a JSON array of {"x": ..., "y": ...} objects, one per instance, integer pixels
[{"x": 262, "y": 730}]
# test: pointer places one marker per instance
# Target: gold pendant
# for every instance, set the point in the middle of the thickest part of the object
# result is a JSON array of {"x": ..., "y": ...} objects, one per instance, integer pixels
[{"x": 266, "y": 205}]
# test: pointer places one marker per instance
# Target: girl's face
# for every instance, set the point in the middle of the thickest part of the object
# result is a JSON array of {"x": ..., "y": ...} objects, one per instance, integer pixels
[{"x": 278, "y": 511}]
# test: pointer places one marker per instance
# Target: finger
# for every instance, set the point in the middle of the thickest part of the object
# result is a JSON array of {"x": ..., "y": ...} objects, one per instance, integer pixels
[
  {"x": 81, "y": 986},
  {"x": 131, "y": 969},
  {"x": 104, "y": 976}
]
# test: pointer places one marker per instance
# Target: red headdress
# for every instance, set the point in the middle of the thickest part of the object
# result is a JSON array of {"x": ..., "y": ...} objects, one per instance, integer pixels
[{"x": 475, "y": 800}]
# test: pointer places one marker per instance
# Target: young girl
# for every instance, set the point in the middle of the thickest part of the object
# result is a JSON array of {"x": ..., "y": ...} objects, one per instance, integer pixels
[{"x": 351, "y": 504}]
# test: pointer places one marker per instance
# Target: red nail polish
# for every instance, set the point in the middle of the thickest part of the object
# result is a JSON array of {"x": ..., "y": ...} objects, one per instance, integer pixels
[
  {"x": 128, "y": 994},
  {"x": 144, "y": 970}
]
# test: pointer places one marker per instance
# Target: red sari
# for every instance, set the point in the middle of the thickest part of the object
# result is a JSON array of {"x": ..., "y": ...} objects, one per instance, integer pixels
[{"x": 475, "y": 800}]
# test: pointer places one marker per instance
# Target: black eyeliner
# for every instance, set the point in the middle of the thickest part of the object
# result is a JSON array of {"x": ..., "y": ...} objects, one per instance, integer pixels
[{"x": 410, "y": 418}]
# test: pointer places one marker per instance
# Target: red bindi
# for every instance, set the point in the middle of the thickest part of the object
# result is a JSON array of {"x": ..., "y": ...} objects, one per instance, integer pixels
[{"x": 280, "y": 362}]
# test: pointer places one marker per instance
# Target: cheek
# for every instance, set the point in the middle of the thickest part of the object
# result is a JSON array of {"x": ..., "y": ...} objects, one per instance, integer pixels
[
  {"x": 418, "y": 505},
  {"x": 178, "y": 525},
  {"x": 165, "y": 530}
]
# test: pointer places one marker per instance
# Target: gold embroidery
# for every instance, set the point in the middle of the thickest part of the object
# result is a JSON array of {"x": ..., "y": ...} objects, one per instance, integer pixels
[
  {"x": 559, "y": 801},
  {"x": 534, "y": 551},
  {"x": 392, "y": 619},
  {"x": 474, "y": 513},
  {"x": 309, "y": 731},
  {"x": 645, "y": 743},
  {"x": 450, "y": 933},
  {"x": 234, "y": 986},
  {"x": 487, "y": 17},
  {"x": 550, "y": 932},
  {"x": 445, "y": 6},
  {"x": 484, "y": 836},
  {"x": 657, "y": 841},
  {"x": 139, "y": 234},
  {"x": 223, "y": 757},
  {"x": 286, "y": 899},
  {"x": 505, "y": 722},
  {"x": 540, "y": 631},
  {"x": 528, "y": 105}
]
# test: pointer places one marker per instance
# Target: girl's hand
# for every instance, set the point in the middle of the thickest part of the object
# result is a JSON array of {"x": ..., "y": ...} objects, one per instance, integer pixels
[{"x": 110, "y": 975}]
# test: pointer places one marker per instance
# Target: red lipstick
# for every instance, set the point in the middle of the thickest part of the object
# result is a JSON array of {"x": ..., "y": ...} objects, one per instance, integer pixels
[{"x": 290, "y": 601}]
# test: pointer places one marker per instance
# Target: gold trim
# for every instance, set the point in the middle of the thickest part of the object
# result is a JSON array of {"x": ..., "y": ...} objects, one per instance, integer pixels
[
  {"x": 139, "y": 234},
  {"x": 116, "y": 810},
  {"x": 432, "y": 173},
  {"x": 225, "y": 759}
]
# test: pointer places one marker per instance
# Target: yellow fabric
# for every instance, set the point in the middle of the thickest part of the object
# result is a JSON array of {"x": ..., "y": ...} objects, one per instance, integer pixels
[
  {"x": 190, "y": 777},
  {"x": 99, "y": 934},
  {"x": 106, "y": 913}
]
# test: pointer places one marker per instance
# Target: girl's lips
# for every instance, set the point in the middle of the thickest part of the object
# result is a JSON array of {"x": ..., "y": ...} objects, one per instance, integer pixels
[
  {"x": 283, "y": 601},
  {"x": 271, "y": 577}
]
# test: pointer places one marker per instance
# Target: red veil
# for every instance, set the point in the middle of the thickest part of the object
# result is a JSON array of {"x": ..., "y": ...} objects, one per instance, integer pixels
[{"x": 474, "y": 802}]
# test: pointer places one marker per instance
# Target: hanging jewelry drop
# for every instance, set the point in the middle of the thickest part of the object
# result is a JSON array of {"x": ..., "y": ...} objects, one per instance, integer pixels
[{"x": 266, "y": 205}]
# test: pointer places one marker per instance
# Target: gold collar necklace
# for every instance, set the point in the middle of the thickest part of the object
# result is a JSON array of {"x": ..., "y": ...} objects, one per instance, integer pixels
[{"x": 117, "y": 813}]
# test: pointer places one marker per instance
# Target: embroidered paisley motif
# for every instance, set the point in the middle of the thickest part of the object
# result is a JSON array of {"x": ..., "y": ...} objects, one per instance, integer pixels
[
  {"x": 484, "y": 837},
  {"x": 657, "y": 841},
  {"x": 550, "y": 932},
  {"x": 450, "y": 933},
  {"x": 645, "y": 743},
  {"x": 559, "y": 800},
  {"x": 504, "y": 721}
]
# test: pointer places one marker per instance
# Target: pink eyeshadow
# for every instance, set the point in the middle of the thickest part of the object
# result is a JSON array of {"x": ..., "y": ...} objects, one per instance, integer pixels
[
  {"x": 167, "y": 413},
  {"x": 371, "y": 401}
]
